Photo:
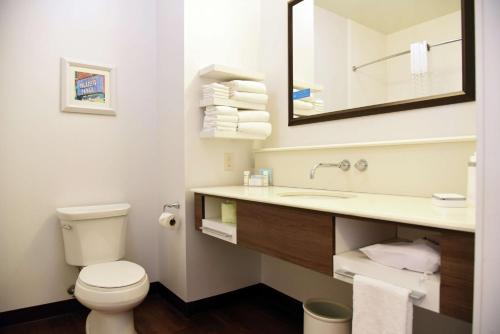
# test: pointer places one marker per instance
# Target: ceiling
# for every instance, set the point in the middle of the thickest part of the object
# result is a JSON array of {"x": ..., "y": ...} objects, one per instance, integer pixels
[{"x": 389, "y": 16}]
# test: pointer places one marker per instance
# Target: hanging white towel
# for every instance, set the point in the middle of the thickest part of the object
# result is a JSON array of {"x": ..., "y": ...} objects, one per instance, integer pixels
[
  {"x": 257, "y": 128},
  {"x": 418, "y": 56},
  {"x": 249, "y": 97},
  {"x": 246, "y": 86},
  {"x": 380, "y": 307},
  {"x": 253, "y": 116}
]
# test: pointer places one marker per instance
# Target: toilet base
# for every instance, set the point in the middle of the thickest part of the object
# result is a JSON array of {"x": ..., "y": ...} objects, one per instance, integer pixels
[{"x": 110, "y": 323}]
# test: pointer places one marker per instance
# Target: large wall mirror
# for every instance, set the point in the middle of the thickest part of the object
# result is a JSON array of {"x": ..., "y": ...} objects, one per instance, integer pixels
[{"x": 351, "y": 58}]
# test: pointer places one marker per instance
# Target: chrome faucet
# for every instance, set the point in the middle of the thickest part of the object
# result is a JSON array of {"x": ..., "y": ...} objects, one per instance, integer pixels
[{"x": 343, "y": 165}]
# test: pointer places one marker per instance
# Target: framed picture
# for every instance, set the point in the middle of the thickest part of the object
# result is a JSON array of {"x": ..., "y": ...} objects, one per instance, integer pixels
[{"x": 87, "y": 88}]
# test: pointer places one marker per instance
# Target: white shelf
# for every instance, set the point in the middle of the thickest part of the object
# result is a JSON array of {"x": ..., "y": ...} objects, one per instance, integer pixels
[
  {"x": 207, "y": 134},
  {"x": 214, "y": 227},
  {"x": 358, "y": 263},
  {"x": 304, "y": 85},
  {"x": 226, "y": 73},
  {"x": 231, "y": 103}
]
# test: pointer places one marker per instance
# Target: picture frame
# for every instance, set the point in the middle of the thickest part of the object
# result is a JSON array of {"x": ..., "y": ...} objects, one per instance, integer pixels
[{"x": 87, "y": 88}]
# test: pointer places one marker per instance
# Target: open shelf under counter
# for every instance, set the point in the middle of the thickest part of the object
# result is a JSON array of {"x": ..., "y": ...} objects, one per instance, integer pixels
[
  {"x": 425, "y": 285},
  {"x": 227, "y": 73}
]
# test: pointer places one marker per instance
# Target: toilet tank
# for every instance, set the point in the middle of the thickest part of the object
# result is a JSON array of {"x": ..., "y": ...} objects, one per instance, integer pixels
[{"x": 93, "y": 234}]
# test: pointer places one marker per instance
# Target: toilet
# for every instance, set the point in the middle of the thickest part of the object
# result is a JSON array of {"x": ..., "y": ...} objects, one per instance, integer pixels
[{"x": 94, "y": 240}]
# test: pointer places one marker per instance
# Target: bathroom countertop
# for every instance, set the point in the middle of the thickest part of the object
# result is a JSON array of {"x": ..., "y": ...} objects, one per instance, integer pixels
[{"x": 401, "y": 209}]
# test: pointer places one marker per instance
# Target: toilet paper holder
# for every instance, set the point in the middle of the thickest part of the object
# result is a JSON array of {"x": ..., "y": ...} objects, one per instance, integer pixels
[{"x": 175, "y": 205}]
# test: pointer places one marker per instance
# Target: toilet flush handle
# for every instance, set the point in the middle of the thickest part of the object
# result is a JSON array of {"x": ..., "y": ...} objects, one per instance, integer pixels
[{"x": 67, "y": 227}]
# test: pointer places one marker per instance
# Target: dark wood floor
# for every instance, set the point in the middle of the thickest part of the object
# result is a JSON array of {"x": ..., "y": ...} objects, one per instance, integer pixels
[{"x": 156, "y": 315}]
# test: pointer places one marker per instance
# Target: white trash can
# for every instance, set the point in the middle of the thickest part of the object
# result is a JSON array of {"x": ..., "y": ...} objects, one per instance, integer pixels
[{"x": 322, "y": 316}]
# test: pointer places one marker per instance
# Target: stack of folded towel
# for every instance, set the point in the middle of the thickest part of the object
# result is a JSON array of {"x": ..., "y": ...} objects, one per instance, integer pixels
[
  {"x": 215, "y": 90},
  {"x": 253, "y": 92},
  {"x": 220, "y": 118},
  {"x": 253, "y": 120}
]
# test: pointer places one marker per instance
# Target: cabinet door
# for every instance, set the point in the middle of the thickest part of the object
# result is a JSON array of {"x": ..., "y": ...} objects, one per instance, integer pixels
[
  {"x": 457, "y": 274},
  {"x": 299, "y": 236}
]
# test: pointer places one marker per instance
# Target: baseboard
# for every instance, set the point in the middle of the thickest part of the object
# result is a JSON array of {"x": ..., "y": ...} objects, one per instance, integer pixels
[
  {"x": 50, "y": 310},
  {"x": 40, "y": 312},
  {"x": 271, "y": 297}
]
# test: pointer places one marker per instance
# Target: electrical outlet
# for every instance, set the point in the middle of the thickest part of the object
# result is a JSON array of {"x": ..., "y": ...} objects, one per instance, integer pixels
[{"x": 228, "y": 161}]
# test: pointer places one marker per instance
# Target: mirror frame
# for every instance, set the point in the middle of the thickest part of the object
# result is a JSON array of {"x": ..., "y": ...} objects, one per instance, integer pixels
[{"x": 468, "y": 92}]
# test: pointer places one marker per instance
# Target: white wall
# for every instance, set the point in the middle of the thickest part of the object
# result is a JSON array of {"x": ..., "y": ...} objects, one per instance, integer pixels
[
  {"x": 170, "y": 96},
  {"x": 51, "y": 159},
  {"x": 223, "y": 32},
  {"x": 330, "y": 65},
  {"x": 445, "y": 61},
  {"x": 487, "y": 272},
  {"x": 303, "y": 41}
]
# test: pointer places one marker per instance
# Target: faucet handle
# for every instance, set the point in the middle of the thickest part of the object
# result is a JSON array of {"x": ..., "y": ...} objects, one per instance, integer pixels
[
  {"x": 345, "y": 165},
  {"x": 361, "y": 165}
]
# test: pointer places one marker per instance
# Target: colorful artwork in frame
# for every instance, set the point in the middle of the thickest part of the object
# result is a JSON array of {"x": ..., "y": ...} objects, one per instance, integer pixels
[{"x": 87, "y": 88}]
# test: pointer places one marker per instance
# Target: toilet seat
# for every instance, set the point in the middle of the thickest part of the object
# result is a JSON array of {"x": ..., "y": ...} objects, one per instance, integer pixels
[
  {"x": 116, "y": 274},
  {"x": 116, "y": 286}
]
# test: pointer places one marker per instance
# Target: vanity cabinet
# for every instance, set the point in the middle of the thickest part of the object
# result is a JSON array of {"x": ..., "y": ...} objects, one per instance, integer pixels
[
  {"x": 311, "y": 238},
  {"x": 299, "y": 236}
]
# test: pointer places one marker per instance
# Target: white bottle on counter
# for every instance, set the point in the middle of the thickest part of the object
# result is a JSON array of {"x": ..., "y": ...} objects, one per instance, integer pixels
[
  {"x": 471, "y": 181},
  {"x": 246, "y": 177}
]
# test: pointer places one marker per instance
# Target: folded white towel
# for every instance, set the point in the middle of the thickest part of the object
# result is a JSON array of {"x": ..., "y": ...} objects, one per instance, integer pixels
[
  {"x": 213, "y": 91},
  {"x": 215, "y": 85},
  {"x": 211, "y": 124},
  {"x": 220, "y": 110},
  {"x": 216, "y": 96},
  {"x": 220, "y": 128},
  {"x": 380, "y": 307},
  {"x": 302, "y": 105},
  {"x": 257, "y": 128},
  {"x": 253, "y": 116},
  {"x": 246, "y": 86},
  {"x": 221, "y": 118},
  {"x": 249, "y": 97},
  {"x": 305, "y": 112}
]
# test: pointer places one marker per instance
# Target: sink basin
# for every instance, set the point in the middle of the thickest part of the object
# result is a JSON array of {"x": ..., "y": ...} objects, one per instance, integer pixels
[{"x": 315, "y": 194}]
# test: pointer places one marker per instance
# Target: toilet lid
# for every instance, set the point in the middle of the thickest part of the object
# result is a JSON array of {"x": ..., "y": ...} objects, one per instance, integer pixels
[{"x": 112, "y": 274}]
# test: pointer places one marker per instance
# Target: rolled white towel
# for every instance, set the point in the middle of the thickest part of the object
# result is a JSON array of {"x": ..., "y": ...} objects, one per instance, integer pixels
[
  {"x": 256, "y": 128},
  {"x": 220, "y": 110},
  {"x": 221, "y": 118},
  {"x": 249, "y": 97},
  {"x": 211, "y": 124},
  {"x": 246, "y": 86},
  {"x": 302, "y": 105},
  {"x": 253, "y": 116}
]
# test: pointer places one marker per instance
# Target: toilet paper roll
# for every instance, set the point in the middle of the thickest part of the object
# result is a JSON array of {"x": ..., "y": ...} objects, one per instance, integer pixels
[{"x": 167, "y": 219}]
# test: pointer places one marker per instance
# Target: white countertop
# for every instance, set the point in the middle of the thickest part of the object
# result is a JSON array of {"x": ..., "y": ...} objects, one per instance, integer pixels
[{"x": 401, "y": 209}]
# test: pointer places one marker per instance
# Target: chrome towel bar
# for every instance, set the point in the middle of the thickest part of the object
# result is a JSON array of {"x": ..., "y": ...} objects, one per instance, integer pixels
[{"x": 414, "y": 295}]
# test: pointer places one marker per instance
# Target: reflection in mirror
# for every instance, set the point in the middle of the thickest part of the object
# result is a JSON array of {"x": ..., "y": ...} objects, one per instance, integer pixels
[{"x": 356, "y": 53}]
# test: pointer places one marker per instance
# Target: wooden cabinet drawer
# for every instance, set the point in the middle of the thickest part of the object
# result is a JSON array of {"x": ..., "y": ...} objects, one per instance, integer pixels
[{"x": 299, "y": 236}]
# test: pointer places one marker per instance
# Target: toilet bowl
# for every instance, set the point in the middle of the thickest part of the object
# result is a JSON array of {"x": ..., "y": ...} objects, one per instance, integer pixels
[{"x": 111, "y": 290}]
